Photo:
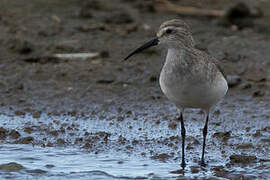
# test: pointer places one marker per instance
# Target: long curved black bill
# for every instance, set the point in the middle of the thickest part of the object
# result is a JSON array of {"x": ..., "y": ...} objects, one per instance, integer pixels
[{"x": 153, "y": 42}]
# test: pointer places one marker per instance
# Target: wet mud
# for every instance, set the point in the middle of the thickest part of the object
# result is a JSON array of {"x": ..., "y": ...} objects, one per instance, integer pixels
[{"x": 102, "y": 118}]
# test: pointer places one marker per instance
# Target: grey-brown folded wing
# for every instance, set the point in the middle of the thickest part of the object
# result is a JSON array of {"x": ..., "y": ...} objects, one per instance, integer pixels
[{"x": 218, "y": 65}]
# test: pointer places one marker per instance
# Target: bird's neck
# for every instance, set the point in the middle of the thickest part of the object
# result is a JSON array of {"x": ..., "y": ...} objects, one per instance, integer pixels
[
  {"x": 177, "y": 57},
  {"x": 175, "y": 54}
]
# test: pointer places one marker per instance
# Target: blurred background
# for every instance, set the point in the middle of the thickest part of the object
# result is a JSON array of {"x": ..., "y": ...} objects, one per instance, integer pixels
[{"x": 66, "y": 91}]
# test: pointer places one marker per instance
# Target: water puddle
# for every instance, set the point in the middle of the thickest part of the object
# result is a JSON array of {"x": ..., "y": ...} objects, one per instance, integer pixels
[
  {"x": 69, "y": 162},
  {"x": 138, "y": 144}
]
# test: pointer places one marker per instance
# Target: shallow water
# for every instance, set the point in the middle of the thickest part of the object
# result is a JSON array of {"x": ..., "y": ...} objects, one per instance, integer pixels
[
  {"x": 66, "y": 163},
  {"x": 73, "y": 162},
  {"x": 105, "y": 119},
  {"x": 142, "y": 144}
]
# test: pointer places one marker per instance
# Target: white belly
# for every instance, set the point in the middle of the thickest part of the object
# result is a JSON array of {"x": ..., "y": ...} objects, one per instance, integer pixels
[{"x": 194, "y": 95}]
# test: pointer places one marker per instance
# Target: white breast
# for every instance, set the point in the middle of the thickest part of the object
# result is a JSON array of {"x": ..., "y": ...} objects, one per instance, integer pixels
[{"x": 191, "y": 93}]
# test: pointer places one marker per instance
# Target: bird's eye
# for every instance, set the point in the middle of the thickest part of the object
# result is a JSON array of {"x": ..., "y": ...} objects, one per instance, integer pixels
[{"x": 168, "y": 31}]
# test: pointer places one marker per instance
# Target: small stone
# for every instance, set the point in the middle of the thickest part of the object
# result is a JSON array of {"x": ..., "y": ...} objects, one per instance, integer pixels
[
  {"x": 14, "y": 134},
  {"x": 49, "y": 144},
  {"x": 235, "y": 158},
  {"x": 129, "y": 112},
  {"x": 120, "y": 119},
  {"x": 162, "y": 157},
  {"x": 36, "y": 114},
  {"x": 129, "y": 147},
  {"x": 87, "y": 145},
  {"x": 37, "y": 171},
  {"x": 172, "y": 125},
  {"x": 11, "y": 167},
  {"x": 233, "y": 81},
  {"x": 19, "y": 113},
  {"x": 193, "y": 140},
  {"x": 179, "y": 171},
  {"x": 194, "y": 169},
  {"x": 153, "y": 79},
  {"x": 28, "y": 130},
  {"x": 219, "y": 171},
  {"x": 54, "y": 133},
  {"x": 245, "y": 146},
  {"x": 224, "y": 136},
  {"x": 3, "y": 133},
  {"x": 257, "y": 133},
  {"x": 135, "y": 142},
  {"x": 49, "y": 166},
  {"x": 60, "y": 142},
  {"x": 25, "y": 140},
  {"x": 258, "y": 93}
]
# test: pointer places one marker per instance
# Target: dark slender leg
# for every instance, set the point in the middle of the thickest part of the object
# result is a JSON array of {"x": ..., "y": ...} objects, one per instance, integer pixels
[
  {"x": 204, "y": 138},
  {"x": 183, "y": 135}
]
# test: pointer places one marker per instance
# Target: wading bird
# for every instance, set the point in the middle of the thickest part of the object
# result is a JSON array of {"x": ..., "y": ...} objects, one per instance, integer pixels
[{"x": 189, "y": 78}]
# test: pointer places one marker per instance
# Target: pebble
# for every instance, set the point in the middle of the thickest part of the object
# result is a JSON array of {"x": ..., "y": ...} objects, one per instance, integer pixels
[
  {"x": 233, "y": 81},
  {"x": 12, "y": 166},
  {"x": 237, "y": 158},
  {"x": 14, "y": 134},
  {"x": 3, "y": 133}
]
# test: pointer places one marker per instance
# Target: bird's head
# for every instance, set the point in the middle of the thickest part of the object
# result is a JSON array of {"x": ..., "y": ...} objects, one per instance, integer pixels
[
  {"x": 175, "y": 33},
  {"x": 172, "y": 34}
]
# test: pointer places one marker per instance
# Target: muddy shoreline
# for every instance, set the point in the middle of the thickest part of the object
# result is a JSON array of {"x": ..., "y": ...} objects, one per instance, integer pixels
[{"x": 106, "y": 106}]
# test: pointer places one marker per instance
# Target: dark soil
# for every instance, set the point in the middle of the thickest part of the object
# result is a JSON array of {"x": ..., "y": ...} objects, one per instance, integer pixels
[{"x": 106, "y": 89}]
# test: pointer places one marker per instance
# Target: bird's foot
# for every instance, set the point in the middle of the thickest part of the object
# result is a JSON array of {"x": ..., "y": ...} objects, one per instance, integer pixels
[
  {"x": 202, "y": 163},
  {"x": 183, "y": 164}
]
